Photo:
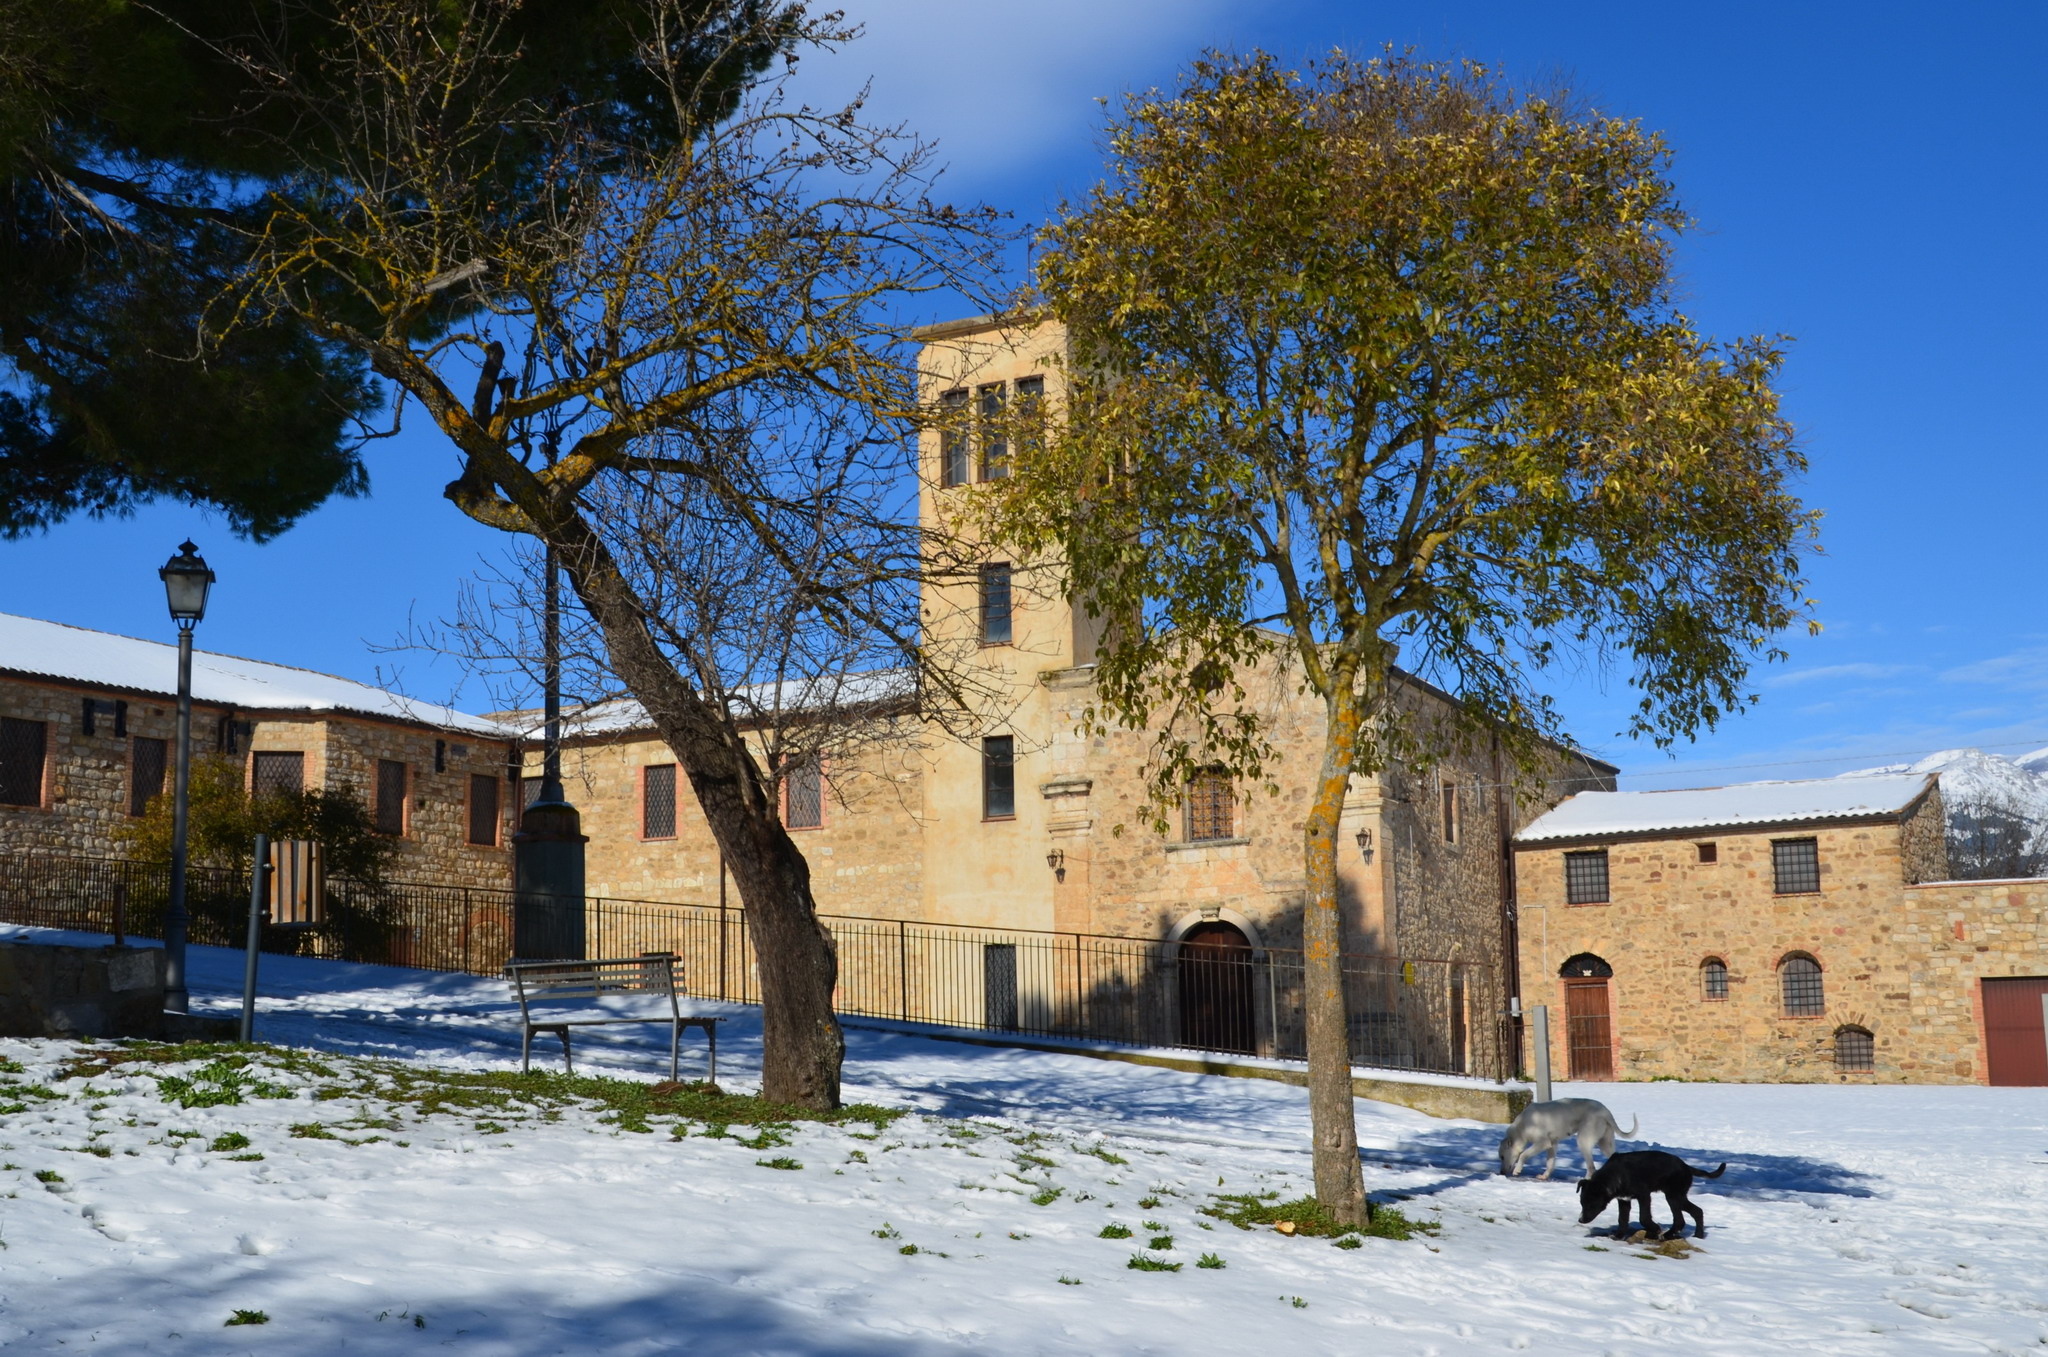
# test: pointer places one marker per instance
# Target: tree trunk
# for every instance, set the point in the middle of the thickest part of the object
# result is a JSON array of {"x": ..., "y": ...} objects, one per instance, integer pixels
[
  {"x": 1333, "y": 1121},
  {"x": 802, "y": 1046}
]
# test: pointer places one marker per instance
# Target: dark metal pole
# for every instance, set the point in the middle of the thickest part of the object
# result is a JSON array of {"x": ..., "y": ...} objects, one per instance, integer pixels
[
  {"x": 258, "y": 873},
  {"x": 551, "y": 682},
  {"x": 176, "y": 997}
]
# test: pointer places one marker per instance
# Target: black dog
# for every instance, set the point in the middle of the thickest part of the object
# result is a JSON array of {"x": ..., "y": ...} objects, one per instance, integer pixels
[{"x": 1633, "y": 1177}]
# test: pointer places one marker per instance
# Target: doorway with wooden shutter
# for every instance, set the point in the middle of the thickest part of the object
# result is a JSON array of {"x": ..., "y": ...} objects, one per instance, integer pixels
[
  {"x": 1588, "y": 1022},
  {"x": 2015, "y": 1032}
]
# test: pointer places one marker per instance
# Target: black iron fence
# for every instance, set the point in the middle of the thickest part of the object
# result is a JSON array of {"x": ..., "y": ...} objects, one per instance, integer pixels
[{"x": 1410, "y": 1014}]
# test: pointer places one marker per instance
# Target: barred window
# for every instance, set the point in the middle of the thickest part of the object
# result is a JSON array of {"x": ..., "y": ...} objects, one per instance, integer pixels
[
  {"x": 1855, "y": 1050},
  {"x": 1450, "y": 800},
  {"x": 529, "y": 791},
  {"x": 995, "y": 604},
  {"x": 1799, "y": 979},
  {"x": 1585, "y": 877},
  {"x": 803, "y": 794},
  {"x": 1029, "y": 419},
  {"x": 1713, "y": 978},
  {"x": 22, "y": 748},
  {"x": 390, "y": 797},
  {"x": 1795, "y": 864},
  {"x": 483, "y": 810},
  {"x": 658, "y": 801},
  {"x": 955, "y": 450},
  {"x": 995, "y": 440},
  {"x": 999, "y": 777},
  {"x": 1209, "y": 806},
  {"x": 146, "y": 760},
  {"x": 273, "y": 772}
]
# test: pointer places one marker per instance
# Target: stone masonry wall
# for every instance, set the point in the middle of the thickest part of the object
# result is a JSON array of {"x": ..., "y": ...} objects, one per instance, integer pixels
[{"x": 1898, "y": 960}]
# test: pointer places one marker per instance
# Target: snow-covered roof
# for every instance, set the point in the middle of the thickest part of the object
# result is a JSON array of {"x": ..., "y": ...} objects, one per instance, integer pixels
[
  {"x": 55, "y": 650},
  {"x": 623, "y": 715},
  {"x": 1594, "y": 815}
]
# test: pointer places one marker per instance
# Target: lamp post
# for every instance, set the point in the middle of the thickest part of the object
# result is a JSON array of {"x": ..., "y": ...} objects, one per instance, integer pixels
[{"x": 186, "y": 581}]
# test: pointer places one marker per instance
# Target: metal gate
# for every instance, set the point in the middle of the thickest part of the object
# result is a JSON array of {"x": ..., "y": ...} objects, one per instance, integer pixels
[
  {"x": 1589, "y": 1032},
  {"x": 2015, "y": 1044}
]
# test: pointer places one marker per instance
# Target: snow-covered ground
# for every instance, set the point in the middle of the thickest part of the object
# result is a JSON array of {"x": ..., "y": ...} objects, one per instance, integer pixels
[{"x": 1851, "y": 1220}]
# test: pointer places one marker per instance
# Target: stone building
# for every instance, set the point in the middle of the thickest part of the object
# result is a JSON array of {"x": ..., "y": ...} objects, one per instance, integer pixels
[
  {"x": 1787, "y": 931},
  {"x": 87, "y": 721}
]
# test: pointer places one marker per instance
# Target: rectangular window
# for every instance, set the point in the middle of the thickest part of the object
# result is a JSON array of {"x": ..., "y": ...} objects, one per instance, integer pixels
[
  {"x": 23, "y": 746},
  {"x": 999, "y": 777},
  {"x": 529, "y": 791},
  {"x": 483, "y": 810},
  {"x": 1209, "y": 806},
  {"x": 658, "y": 801},
  {"x": 1709, "y": 852},
  {"x": 1029, "y": 419},
  {"x": 390, "y": 797},
  {"x": 1585, "y": 877},
  {"x": 995, "y": 435},
  {"x": 956, "y": 466},
  {"x": 1795, "y": 865},
  {"x": 803, "y": 794},
  {"x": 1450, "y": 808},
  {"x": 146, "y": 766},
  {"x": 273, "y": 772},
  {"x": 995, "y": 604}
]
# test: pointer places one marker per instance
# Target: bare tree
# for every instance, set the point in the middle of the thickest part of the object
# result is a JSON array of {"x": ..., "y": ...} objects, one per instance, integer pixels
[
  {"x": 1992, "y": 837},
  {"x": 608, "y": 330}
]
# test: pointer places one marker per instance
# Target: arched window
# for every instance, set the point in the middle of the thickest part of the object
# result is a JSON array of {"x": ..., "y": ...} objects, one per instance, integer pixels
[
  {"x": 1855, "y": 1050},
  {"x": 1799, "y": 980},
  {"x": 1586, "y": 965},
  {"x": 1713, "y": 978}
]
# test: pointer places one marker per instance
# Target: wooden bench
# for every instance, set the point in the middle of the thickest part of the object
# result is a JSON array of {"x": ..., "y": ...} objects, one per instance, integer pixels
[{"x": 652, "y": 973}]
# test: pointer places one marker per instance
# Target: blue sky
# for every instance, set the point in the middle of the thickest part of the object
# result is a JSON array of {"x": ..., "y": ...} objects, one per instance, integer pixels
[{"x": 1869, "y": 181}]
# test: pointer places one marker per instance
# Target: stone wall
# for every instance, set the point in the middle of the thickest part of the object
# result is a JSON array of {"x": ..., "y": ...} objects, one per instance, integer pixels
[
  {"x": 50, "y": 990},
  {"x": 1899, "y": 960}
]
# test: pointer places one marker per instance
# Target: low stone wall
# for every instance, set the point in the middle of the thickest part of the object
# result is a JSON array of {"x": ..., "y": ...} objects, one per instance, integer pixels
[{"x": 52, "y": 990}]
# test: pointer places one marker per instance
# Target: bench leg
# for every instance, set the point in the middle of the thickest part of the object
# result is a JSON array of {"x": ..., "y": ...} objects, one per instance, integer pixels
[
  {"x": 711, "y": 1040},
  {"x": 566, "y": 1065},
  {"x": 526, "y": 1052},
  {"x": 675, "y": 1043}
]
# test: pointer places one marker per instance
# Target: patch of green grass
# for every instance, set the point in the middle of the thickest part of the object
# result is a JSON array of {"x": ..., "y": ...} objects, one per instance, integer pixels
[
  {"x": 1210, "y": 1260},
  {"x": 1148, "y": 1203},
  {"x": 247, "y": 1317},
  {"x": 97, "y": 1151},
  {"x": 1047, "y": 1196},
  {"x": 490, "y": 1128},
  {"x": 1115, "y": 1231},
  {"x": 245, "y": 1159},
  {"x": 908, "y": 1250},
  {"x": 1106, "y": 1156},
  {"x": 9, "y": 1066},
  {"x": 887, "y": 1231},
  {"x": 312, "y": 1130},
  {"x": 233, "y": 1140},
  {"x": 1140, "y": 1263},
  {"x": 1065, "y": 1280},
  {"x": 1297, "y": 1302},
  {"x": 49, "y": 1176},
  {"x": 1351, "y": 1241},
  {"x": 225, "y": 1082},
  {"x": 780, "y": 1161},
  {"x": 1595, "y": 1248},
  {"x": 1310, "y": 1217},
  {"x": 1035, "y": 1160},
  {"x": 1161, "y": 1242}
]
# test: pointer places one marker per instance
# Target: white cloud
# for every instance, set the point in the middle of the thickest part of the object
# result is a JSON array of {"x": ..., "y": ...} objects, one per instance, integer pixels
[
  {"x": 2023, "y": 670},
  {"x": 1835, "y": 671}
]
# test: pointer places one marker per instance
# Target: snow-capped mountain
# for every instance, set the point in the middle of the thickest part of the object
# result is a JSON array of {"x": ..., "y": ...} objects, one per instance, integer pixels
[{"x": 1971, "y": 776}]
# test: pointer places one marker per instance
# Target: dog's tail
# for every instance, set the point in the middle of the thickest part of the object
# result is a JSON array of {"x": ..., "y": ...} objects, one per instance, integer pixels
[
  {"x": 1630, "y": 1133},
  {"x": 1715, "y": 1174}
]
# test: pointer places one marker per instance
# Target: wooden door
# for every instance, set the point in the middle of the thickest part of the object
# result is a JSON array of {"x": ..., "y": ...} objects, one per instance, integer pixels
[
  {"x": 1217, "y": 1008},
  {"x": 2015, "y": 1046},
  {"x": 1589, "y": 1033}
]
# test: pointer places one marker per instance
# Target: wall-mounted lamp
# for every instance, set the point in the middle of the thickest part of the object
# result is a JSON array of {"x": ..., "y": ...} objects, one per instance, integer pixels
[
  {"x": 1056, "y": 860},
  {"x": 1365, "y": 845}
]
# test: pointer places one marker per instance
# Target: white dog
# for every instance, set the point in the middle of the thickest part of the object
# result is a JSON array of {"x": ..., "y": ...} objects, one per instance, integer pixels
[{"x": 1545, "y": 1126}]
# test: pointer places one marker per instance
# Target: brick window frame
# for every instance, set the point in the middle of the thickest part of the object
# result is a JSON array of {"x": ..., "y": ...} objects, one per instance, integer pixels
[
  {"x": 1714, "y": 981},
  {"x": 660, "y": 785},
  {"x": 24, "y": 763},
  {"x": 1802, "y": 986}
]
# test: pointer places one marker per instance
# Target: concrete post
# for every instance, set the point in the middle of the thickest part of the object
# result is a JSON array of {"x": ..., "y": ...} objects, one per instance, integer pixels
[
  {"x": 1540, "y": 1036},
  {"x": 259, "y": 874}
]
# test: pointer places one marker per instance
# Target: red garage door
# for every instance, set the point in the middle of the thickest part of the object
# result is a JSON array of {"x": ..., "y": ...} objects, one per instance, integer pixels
[{"x": 2015, "y": 1047}]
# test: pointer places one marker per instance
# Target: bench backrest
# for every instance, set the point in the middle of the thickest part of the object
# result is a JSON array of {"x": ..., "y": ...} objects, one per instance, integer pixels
[{"x": 653, "y": 973}]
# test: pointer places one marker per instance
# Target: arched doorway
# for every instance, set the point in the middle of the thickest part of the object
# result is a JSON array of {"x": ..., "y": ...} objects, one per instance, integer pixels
[
  {"x": 1588, "y": 1026},
  {"x": 1217, "y": 1010}
]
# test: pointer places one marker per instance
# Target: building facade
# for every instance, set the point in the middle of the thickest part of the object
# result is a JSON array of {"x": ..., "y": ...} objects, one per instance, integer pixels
[{"x": 1798, "y": 931}]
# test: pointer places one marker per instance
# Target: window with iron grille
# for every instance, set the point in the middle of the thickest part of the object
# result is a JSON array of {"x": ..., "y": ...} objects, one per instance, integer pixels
[
  {"x": 999, "y": 777},
  {"x": 1450, "y": 800},
  {"x": 1209, "y": 806},
  {"x": 1855, "y": 1050},
  {"x": 803, "y": 794},
  {"x": 1585, "y": 877},
  {"x": 529, "y": 791},
  {"x": 22, "y": 748},
  {"x": 956, "y": 466},
  {"x": 995, "y": 436},
  {"x": 146, "y": 762},
  {"x": 272, "y": 772},
  {"x": 1713, "y": 978},
  {"x": 390, "y": 796},
  {"x": 658, "y": 801},
  {"x": 1795, "y": 864},
  {"x": 995, "y": 604},
  {"x": 483, "y": 810},
  {"x": 1799, "y": 979}
]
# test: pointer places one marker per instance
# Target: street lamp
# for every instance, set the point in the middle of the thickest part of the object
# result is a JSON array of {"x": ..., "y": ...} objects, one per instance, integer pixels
[{"x": 186, "y": 581}]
